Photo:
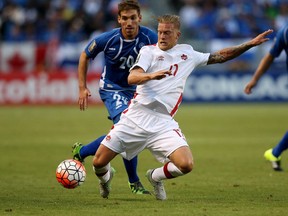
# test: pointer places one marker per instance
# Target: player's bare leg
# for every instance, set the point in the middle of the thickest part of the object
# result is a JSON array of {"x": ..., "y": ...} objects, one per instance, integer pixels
[
  {"x": 181, "y": 162},
  {"x": 102, "y": 169}
]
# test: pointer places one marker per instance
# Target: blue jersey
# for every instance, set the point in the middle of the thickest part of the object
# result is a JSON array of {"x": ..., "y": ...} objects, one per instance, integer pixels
[
  {"x": 281, "y": 43},
  {"x": 119, "y": 55}
]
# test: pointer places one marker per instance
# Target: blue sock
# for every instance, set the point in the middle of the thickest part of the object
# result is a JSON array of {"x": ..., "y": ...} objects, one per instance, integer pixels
[
  {"x": 282, "y": 145},
  {"x": 131, "y": 169},
  {"x": 91, "y": 148}
]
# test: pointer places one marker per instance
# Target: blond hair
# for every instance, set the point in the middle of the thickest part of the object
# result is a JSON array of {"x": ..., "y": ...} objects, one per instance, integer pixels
[{"x": 174, "y": 19}]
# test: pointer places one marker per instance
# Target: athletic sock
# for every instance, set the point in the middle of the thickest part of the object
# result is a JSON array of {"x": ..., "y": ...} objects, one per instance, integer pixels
[
  {"x": 131, "y": 169},
  {"x": 168, "y": 171},
  {"x": 103, "y": 173},
  {"x": 91, "y": 148},
  {"x": 282, "y": 145}
]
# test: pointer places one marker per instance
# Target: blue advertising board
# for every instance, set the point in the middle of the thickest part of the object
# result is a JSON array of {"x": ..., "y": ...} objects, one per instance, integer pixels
[{"x": 207, "y": 86}]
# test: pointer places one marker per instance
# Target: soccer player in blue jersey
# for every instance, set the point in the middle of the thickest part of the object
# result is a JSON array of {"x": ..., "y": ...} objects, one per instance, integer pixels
[
  {"x": 120, "y": 47},
  {"x": 280, "y": 44}
]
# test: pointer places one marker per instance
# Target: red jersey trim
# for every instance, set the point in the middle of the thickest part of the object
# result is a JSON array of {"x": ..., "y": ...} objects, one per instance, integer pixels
[{"x": 172, "y": 113}]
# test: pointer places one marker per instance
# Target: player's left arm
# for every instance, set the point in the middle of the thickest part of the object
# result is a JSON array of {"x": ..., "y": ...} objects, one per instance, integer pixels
[{"x": 229, "y": 53}]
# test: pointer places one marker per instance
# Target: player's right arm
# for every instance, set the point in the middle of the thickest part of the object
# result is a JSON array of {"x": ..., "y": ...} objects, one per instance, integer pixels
[
  {"x": 94, "y": 47},
  {"x": 263, "y": 66},
  {"x": 138, "y": 76},
  {"x": 84, "y": 92}
]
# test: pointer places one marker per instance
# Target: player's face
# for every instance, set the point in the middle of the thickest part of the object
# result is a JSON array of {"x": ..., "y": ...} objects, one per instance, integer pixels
[
  {"x": 129, "y": 21},
  {"x": 167, "y": 36}
]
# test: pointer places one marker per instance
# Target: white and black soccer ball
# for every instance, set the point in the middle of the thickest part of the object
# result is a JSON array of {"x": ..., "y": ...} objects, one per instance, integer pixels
[{"x": 70, "y": 173}]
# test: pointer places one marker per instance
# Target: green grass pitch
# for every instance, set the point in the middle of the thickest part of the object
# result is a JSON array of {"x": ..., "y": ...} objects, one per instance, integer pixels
[{"x": 230, "y": 176}]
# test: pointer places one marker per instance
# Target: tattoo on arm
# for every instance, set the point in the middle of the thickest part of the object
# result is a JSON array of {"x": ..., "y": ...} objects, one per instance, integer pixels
[
  {"x": 229, "y": 53},
  {"x": 215, "y": 58}
]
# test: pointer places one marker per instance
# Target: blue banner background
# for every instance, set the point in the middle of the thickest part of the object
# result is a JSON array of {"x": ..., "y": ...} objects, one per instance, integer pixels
[{"x": 207, "y": 86}]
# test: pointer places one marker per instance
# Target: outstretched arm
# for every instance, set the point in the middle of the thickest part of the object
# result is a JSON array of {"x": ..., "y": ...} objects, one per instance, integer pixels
[
  {"x": 265, "y": 63},
  {"x": 138, "y": 76},
  {"x": 229, "y": 53}
]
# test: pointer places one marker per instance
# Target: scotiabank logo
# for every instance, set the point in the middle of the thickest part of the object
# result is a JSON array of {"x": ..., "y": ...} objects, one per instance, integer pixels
[{"x": 44, "y": 89}]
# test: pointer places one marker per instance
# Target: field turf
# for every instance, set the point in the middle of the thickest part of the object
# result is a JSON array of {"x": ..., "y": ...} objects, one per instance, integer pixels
[{"x": 230, "y": 176}]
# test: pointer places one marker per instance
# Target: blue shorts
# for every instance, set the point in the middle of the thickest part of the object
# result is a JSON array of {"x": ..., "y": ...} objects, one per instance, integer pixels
[{"x": 116, "y": 102}]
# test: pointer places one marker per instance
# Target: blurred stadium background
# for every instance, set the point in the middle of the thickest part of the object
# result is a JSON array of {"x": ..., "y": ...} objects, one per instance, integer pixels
[{"x": 41, "y": 41}]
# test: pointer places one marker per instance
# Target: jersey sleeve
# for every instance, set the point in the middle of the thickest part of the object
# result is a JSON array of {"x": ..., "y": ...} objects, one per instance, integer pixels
[
  {"x": 280, "y": 42},
  {"x": 144, "y": 58},
  {"x": 97, "y": 45},
  {"x": 200, "y": 58}
]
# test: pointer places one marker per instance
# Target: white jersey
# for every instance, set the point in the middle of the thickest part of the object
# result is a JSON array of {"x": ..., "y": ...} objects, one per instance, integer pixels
[
  {"x": 182, "y": 59},
  {"x": 148, "y": 121}
]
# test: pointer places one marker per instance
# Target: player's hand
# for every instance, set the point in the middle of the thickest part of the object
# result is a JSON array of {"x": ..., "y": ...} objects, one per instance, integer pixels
[
  {"x": 261, "y": 38},
  {"x": 160, "y": 74},
  {"x": 83, "y": 98},
  {"x": 249, "y": 87}
]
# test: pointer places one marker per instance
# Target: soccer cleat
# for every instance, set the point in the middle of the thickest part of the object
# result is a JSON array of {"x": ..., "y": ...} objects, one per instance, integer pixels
[
  {"x": 76, "y": 151},
  {"x": 275, "y": 162},
  {"x": 138, "y": 188},
  {"x": 159, "y": 190},
  {"x": 106, "y": 187}
]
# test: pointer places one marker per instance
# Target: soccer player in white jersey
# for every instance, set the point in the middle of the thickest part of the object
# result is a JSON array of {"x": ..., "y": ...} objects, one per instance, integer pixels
[{"x": 160, "y": 73}]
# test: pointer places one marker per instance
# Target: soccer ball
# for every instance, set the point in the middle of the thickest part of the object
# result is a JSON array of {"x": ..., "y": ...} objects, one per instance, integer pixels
[{"x": 70, "y": 173}]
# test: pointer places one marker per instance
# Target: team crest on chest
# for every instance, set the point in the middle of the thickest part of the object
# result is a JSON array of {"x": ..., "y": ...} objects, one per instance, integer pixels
[
  {"x": 184, "y": 57},
  {"x": 141, "y": 45}
]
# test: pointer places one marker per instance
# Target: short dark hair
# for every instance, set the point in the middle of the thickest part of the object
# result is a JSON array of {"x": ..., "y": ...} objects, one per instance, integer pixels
[{"x": 128, "y": 5}]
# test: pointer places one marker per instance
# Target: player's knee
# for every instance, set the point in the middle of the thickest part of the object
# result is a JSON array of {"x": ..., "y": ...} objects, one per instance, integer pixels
[
  {"x": 186, "y": 167},
  {"x": 97, "y": 162}
]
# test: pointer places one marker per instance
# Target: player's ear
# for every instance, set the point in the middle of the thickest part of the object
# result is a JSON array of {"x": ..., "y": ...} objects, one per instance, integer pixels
[
  {"x": 140, "y": 17},
  {"x": 119, "y": 19},
  {"x": 178, "y": 34}
]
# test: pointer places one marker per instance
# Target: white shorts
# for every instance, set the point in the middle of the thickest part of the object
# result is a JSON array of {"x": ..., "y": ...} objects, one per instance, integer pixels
[{"x": 143, "y": 128}]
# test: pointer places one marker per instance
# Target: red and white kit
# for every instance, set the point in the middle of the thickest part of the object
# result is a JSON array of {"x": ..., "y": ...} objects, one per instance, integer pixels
[{"x": 148, "y": 122}]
